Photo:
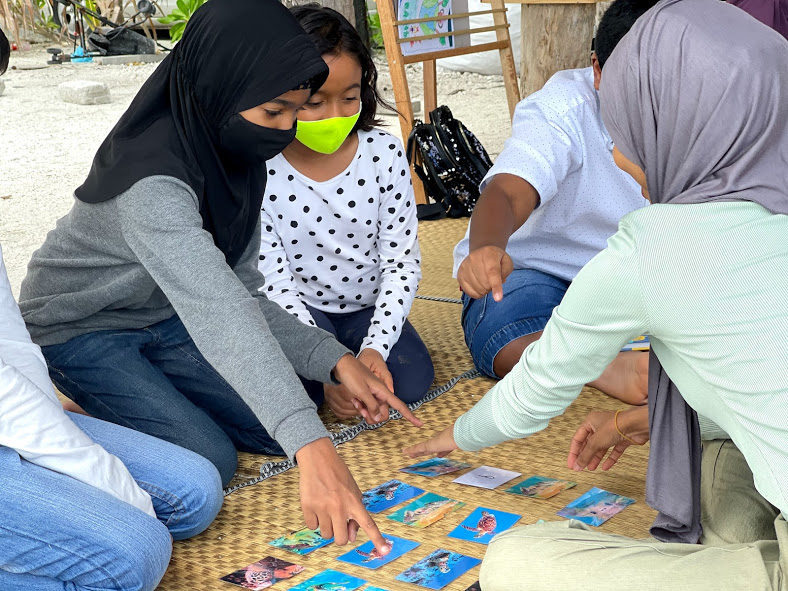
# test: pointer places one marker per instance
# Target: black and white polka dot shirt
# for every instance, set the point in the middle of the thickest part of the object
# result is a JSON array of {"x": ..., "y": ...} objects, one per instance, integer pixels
[{"x": 347, "y": 243}]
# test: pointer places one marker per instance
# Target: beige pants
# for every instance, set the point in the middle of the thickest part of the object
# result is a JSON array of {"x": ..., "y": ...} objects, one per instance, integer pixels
[{"x": 744, "y": 548}]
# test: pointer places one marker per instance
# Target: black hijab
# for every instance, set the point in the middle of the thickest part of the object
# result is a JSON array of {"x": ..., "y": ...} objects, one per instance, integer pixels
[{"x": 184, "y": 122}]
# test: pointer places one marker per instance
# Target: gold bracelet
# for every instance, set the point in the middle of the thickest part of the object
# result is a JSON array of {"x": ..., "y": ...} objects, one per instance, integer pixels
[{"x": 615, "y": 423}]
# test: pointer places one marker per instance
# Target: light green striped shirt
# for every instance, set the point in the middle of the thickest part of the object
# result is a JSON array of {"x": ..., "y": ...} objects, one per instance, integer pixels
[{"x": 709, "y": 284}]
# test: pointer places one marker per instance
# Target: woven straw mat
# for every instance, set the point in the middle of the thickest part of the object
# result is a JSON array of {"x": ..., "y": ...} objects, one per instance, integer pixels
[{"x": 255, "y": 515}]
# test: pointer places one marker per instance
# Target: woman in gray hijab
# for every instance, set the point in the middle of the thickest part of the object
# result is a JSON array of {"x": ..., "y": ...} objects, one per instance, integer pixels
[{"x": 700, "y": 117}]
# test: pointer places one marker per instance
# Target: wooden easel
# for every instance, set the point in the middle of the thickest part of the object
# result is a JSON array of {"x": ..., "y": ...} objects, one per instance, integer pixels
[{"x": 393, "y": 43}]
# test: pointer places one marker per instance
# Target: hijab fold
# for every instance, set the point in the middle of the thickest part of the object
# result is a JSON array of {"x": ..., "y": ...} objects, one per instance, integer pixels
[
  {"x": 234, "y": 55},
  {"x": 696, "y": 94}
]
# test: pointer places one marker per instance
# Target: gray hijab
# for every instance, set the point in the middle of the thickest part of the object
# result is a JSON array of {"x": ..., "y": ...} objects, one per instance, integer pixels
[{"x": 696, "y": 94}]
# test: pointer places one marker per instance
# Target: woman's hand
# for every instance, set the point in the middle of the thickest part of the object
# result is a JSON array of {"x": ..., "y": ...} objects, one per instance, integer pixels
[
  {"x": 598, "y": 433},
  {"x": 441, "y": 445},
  {"x": 330, "y": 497},
  {"x": 377, "y": 365},
  {"x": 367, "y": 393}
]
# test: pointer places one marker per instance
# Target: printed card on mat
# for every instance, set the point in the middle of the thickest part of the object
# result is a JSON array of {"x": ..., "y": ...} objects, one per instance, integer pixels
[
  {"x": 596, "y": 506},
  {"x": 486, "y": 477},
  {"x": 438, "y": 569},
  {"x": 540, "y": 487},
  {"x": 367, "y": 555},
  {"x": 435, "y": 467},
  {"x": 481, "y": 525},
  {"x": 301, "y": 542},
  {"x": 388, "y": 495},
  {"x": 330, "y": 580},
  {"x": 263, "y": 574},
  {"x": 426, "y": 510}
]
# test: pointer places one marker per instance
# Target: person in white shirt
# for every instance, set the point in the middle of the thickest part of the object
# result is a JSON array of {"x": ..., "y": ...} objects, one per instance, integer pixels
[
  {"x": 339, "y": 245},
  {"x": 85, "y": 504},
  {"x": 548, "y": 205}
]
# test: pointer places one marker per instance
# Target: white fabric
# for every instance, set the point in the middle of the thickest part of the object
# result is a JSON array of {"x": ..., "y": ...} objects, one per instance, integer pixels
[
  {"x": 561, "y": 147},
  {"x": 347, "y": 243},
  {"x": 32, "y": 420}
]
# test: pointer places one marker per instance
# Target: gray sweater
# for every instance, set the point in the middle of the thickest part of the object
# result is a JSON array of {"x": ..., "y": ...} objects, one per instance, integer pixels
[{"x": 142, "y": 257}]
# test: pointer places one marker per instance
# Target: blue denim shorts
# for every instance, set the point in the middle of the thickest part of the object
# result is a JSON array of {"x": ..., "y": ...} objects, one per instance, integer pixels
[{"x": 529, "y": 297}]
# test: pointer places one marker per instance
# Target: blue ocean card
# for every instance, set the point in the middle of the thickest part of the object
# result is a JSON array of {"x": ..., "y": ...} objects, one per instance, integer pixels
[
  {"x": 389, "y": 494},
  {"x": 438, "y": 569},
  {"x": 596, "y": 506},
  {"x": 481, "y": 525},
  {"x": 330, "y": 580},
  {"x": 367, "y": 556}
]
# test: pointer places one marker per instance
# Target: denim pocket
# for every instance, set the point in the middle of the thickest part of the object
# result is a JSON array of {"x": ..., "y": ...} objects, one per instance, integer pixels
[{"x": 472, "y": 314}]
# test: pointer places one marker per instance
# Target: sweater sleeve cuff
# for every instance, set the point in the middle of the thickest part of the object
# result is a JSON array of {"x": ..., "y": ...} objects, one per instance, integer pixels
[
  {"x": 298, "y": 430},
  {"x": 324, "y": 359},
  {"x": 476, "y": 429}
]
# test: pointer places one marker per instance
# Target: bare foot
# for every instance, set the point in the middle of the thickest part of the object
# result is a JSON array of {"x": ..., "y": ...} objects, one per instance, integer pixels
[
  {"x": 71, "y": 406},
  {"x": 626, "y": 378}
]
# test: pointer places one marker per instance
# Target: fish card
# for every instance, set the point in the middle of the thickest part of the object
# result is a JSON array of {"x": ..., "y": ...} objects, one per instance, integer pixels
[
  {"x": 438, "y": 569},
  {"x": 540, "y": 487},
  {"x": 435, "y": 467},
  {"x": 481, "y": 525},
  {"x": 426, "y": 510},
  {"x": 486, "y": 477},
  {"x": 367, "y": 556},
  {"x": 330, "y": 580},
  {"x": 301, "y": 542},
  {"x": 263, "y": 574},
  {"x": 596, "y": 506},
  {"x": 389, "y": 494}
]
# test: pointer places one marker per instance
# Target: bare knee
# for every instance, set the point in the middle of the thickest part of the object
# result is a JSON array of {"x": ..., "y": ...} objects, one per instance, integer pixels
[{"x": 508, "y": 357}]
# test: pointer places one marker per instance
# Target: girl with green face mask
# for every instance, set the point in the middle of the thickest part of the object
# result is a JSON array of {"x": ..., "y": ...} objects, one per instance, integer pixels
[{"x": 339, "y": 247}]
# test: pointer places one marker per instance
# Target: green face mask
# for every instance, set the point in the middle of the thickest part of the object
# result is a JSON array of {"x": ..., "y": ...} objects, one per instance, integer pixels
[{"x": 326, "y": 135}]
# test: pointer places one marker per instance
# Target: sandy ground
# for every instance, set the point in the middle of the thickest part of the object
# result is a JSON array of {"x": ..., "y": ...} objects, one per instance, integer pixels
[{"x": 48, "y": 145}]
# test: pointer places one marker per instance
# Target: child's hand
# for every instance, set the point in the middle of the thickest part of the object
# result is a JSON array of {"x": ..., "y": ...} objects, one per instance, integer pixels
[
  {"x": 340, "y": 401},
  {"x": 374, "y": 361},
  {"x": 367, "y": 393},
  {"x": 483, "y": 271},
  {"x": 441, "y": 445}
]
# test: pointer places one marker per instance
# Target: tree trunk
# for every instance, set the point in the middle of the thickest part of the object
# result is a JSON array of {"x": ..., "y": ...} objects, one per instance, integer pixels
[{"x": 554, "y": 37}]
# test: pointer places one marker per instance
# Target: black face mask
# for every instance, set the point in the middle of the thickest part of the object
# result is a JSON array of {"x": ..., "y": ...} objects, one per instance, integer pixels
[{"x": 253, "y": 144}]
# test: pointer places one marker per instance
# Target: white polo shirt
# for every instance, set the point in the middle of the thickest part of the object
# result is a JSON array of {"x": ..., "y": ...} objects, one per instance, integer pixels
[{"x": 561, "y": 147}]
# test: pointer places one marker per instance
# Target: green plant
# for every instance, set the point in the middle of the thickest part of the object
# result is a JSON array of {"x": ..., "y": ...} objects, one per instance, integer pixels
[
  {"x": 180, "y": 16},
  {"x": 375, "y": 31}
]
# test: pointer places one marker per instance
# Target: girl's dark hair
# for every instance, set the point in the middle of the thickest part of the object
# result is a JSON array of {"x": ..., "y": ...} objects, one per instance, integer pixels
[
  {"x": 333, "y": 34},
  {"x": 615, "y": 23},
  {"x": 5, "y": 52}
]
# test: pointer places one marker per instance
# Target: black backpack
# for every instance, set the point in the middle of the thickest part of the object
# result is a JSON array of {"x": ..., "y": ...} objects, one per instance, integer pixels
[{"x": 450, "y": 161}]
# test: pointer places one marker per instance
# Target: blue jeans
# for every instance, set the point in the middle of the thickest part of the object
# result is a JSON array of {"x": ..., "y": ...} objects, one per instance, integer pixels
[
  {"x": 409, "y": 361},
  {"x": 59, "y": 534},
  {"x": 529, "y": 297},
  {"x": 156, "y": 381}
]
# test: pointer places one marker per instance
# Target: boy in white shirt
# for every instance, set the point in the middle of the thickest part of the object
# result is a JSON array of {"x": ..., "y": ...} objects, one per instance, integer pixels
[{"x": 548, "y": 205}]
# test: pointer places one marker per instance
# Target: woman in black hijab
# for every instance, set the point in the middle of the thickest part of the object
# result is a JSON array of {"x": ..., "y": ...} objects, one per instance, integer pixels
[{"x": 146, "y": 297}]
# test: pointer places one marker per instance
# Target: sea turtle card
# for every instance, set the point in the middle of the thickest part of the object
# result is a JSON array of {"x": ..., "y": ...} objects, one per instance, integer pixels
[
  {"x": 438, "y": 569},
  {"x": 263, "y": 573},
  {"x": 426, "y": 510},
  {"x": 367, "y": 555},
  {"x": 540, "y": 487},
  {"x": 389, "y": 494},
  {"x": 302, "y": 541},
  {"x": 595, "y": 507},
  {"x": 435, "y": 467},
  {"x": 486, "y": 477},
  {"x": 330, "y": 580},
  {"x": 481, "y": 525}
]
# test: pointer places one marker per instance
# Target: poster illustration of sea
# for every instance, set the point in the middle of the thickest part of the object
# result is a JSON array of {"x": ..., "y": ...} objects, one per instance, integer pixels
[{"x": 418, "y": 9}]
